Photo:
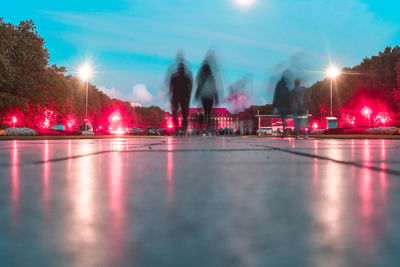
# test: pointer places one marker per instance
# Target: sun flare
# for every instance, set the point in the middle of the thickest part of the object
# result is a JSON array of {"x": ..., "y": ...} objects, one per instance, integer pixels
[{"x": 245, "y": 2}]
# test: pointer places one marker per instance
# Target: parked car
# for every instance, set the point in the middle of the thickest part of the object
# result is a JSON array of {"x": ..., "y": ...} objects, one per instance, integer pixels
[
  {"x": 239, "y": 131},
  {"x": 161, "y": 131},
  {"x": 211, "y": 131},
  {"x": 226, "y": 131},
  {"x": 148, "y": 131},
  {"x": 194, "y": 132},
  {"x": 265, "y": 131},
  {"x": 86, "y": 128},
  {"x": 134, "y": 131}
]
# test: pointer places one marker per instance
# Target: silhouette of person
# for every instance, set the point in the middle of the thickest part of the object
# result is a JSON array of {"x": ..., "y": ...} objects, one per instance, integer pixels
[
  {"x": 282, "y": 100},
  {"x": 180, "y": 90},
  {"x": 299, "y": 104},
  {"x": 208, "y": 87}
]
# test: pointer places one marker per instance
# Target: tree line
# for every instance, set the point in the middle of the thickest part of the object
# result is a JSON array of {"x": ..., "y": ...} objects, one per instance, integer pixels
[
  {"x": 39, "y": 94},
  {"x": 374, "y": 83}
]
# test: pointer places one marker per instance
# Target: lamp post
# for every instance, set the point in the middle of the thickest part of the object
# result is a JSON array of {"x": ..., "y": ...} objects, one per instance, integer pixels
[
  {"x": 14, "y": 120},
  {"x": 332, "y": 72},
  {"x": 367, "y": 112},
  {"x": 85, "y": 72}
]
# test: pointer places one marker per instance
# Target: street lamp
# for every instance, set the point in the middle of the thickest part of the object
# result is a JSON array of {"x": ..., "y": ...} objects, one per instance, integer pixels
[
  {"x": 14, "y": 120},
  {"x": 85, "y": 72},
  {"x": 366, "y": 111},
  {"x": 332, "y": 72}
]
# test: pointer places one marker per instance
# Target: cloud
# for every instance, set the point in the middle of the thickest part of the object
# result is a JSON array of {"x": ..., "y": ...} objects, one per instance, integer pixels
[
  {"x": 112, "y": 92},
  {"x": 140, "y": 95},
  {"x": 136, "y": 104},
  {"x": 263, "y": 100}
]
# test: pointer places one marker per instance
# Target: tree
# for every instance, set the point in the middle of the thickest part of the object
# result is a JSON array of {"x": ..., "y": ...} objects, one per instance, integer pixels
[
  {"x": 23, "y": 61},
  {"x": 151, "y": 116},
  {"x": 396, "y": 90},
  {"x": 40, "y": 93}
]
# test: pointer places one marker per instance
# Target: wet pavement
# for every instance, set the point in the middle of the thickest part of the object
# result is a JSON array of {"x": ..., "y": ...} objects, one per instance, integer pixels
[{"x": 200, "y": 202}]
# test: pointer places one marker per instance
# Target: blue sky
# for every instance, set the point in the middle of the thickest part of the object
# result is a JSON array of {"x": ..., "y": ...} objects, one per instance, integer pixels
[{"x": 131, "y": 43}]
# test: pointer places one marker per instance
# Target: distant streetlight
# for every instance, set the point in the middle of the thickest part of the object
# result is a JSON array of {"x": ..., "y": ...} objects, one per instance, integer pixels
[
  {"x": 46, "y": 123},
  {"x": 14, "y": 120},
  {"x": 332, "y": 72},
  {"x": 366, "y": 111},
  {"x": 115, "y": 118},
  {"x": 85, "y": 73}
]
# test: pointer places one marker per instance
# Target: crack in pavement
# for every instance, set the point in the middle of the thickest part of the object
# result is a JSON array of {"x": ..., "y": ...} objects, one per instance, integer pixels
[
  {"x": 77, "y": 156},
  {"x": 261, "y": 148},
  {"x": 41, "y": 162},
  {"x": 140, "y": 151},
  {"x": 343, "y": 162}
]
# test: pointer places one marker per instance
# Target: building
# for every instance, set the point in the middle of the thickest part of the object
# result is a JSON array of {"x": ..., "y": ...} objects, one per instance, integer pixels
[{"x": 220, "y": 117}]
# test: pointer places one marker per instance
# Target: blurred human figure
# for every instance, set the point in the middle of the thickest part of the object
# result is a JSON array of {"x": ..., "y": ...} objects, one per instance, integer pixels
[
  {"x": 299, "y": 104},
  {"x": 208, "y": 86},
  {"x": 282, "y": 100},
  {"x": 180, "y": 90},
  {"x": 239, "y": 98}
]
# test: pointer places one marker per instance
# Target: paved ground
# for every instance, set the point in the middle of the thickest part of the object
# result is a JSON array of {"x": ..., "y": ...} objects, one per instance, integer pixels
[{"x": 200, "y": 202}]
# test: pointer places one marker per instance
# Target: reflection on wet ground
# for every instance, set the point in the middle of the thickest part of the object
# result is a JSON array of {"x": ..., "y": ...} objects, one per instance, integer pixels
[{"x": 199, "y": 202}]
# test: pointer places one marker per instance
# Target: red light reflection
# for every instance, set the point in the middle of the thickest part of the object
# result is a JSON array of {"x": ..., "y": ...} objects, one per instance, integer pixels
[
  {"x": 366, "y": 182},
  {"x": 116, "y": 199},
  {"x": 15, "y": 180},
  {"x": 69, "y": 163},
  {"x": 315, "y": 162},
  {"x": 170, "y": 171},
  {"x": 382, "y": 177},
  {"x": 46, "y": 172}
]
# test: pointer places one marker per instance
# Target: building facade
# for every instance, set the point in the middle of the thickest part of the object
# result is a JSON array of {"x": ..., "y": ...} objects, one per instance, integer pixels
[{"x": 220, "y": 118}]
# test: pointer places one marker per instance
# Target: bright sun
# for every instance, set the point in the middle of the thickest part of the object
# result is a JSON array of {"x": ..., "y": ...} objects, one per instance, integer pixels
[{"x": 245, "y": 2}]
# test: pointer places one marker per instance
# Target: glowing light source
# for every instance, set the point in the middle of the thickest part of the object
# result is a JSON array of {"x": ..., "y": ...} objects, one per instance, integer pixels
[
  {"x": 115, "y": 118},
  {"x": 14, "y": 119},
  {"x": 382, "y": 118},
  {"x": 333, "y": 71},
  {"x": 85, "y": 72},
  {"x": 315, "y": 125},
  {"x": 366, "y": 111},
  {"x": 245, "y": 2},
  {"x": 46, "y": 123},
  {"x": 119, "y": 131}
]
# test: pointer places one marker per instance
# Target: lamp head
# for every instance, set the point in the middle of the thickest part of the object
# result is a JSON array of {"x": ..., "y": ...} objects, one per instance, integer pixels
[
  {"x": 333, "y": 71},
  {"x": 85, "y": 72}
]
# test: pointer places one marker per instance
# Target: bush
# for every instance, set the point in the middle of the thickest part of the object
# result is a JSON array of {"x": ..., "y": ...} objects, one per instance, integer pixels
[
  {"x": 20, "y": 132},
  {"x": 49, "y": 132},
  {"x": 381, "y": 130}
]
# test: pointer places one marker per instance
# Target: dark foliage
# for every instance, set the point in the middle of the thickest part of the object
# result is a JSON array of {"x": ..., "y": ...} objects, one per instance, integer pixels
[
  {"x": 375, "y": 82},
  {"x": 37, "y": 93}
]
